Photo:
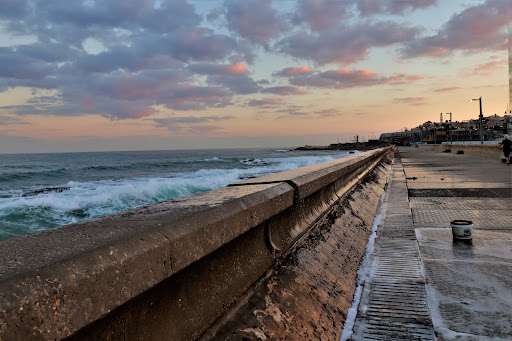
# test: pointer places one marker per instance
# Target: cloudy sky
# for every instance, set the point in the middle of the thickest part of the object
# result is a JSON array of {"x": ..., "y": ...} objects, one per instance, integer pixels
[{"x": 178, "y": 74}]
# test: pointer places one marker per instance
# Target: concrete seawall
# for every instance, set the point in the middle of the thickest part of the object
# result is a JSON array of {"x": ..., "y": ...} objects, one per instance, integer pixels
[
  {"x": 488, "y": 151},
  {"x": 168, "y": 271}
]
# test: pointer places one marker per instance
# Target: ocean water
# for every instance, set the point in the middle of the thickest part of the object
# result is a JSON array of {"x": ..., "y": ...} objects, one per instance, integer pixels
[{"x": 41, "y": 191}]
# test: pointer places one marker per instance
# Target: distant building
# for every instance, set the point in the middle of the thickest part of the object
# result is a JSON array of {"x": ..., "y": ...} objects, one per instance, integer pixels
[{"x": 494, "y": 127}]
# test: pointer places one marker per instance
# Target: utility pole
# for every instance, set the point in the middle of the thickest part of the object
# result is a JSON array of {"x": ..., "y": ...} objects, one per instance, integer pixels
[{"x": 451, "y": 139}]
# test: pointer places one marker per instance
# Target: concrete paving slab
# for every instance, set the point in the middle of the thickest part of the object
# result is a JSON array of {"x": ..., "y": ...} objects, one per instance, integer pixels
[
  {"x": 487, "y": 219},
  {"x": 461, "y": 203},
  {"x": 470, "y": 300},
  {"x": 486, "y": 246},
  {"x": 468, "y": 285},
  {"x": 450, "y": 183}
]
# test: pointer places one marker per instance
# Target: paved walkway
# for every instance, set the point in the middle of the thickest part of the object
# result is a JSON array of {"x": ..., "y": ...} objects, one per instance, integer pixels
[{"x": 421, "y": 284}]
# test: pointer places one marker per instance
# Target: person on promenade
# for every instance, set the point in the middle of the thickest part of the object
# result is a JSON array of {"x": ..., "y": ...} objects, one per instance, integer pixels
[{"x": 507, "y": 147}]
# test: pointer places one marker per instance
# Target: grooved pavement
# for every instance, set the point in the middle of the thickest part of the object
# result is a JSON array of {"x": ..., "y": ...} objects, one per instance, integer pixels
[
  {"x": 422, "y": 284},
  {"x": 394, "y": 301}
]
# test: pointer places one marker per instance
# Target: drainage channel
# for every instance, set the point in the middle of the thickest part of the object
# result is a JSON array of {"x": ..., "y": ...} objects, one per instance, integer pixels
[{"x": 394, "y": 301}]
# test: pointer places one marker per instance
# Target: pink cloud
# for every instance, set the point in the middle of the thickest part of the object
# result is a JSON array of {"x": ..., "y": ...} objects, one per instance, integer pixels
[
  {"x": 450, "y": 89},
  {"x": 265, "y": 102},
  {"x": 298, "y": 111},
  {"x": 348, "y": 78},
  {"x": 284, "y": 90},
  {"x": 329, "y": 112},
  {"x": 410, "y": 100},
  {"x": 488, "y": 68},
  {"x": 234, "y": 77},
  {"x": 345, "y": 75},
  {"x": 294, "y": 71},
  {"x": 190, "y": 125},
  {"x": 403, "y": 78},
  {"x": 218, "y": 69},
  {"x": 125, "y": 110}
]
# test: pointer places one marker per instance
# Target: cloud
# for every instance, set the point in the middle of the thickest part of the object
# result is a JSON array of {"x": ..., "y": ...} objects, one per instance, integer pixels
[
  {"x": 200, "y": 44},
  {"x": 488, "y": 68},
  {"x": 293, "y": 71},
  {"x": 233, "y": 77},
  {"x": 475, "y": 29},
  {"x": 349, "y": 78},
  {"x": 345, "y": 44},
  {"x": 218, "y": 69},
  {"x": 190, "y": 125},
  {"x": 450, "y": 89},
  {"x": 254, "y": 20},
  {"x": 12, "y": 8},
  {"x": 139, "y": 61},
  {"x": 44, "y": 100},
  {"x": 321, "y": 15},
  {"x": 292, "y": 111},
  {"x": 267, "y": 102},
  {"x": 122, "y": 94},
  {"x": 164, "y": 122},
  {"x": 10, "y": 120},
  {"x": 299, "y": 111},
  {"x": 17, "y": 66},
  {"x": 283, "y": 90},
  {"x": 372, "y": 7},
  {"x": 329, "y": 113},
  {"x": 410, "y": 100}
]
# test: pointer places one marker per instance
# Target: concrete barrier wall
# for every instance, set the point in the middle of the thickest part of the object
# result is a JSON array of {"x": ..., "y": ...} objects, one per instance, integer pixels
[
  {"x": 488, "y": 151},
  {"x": 168, "y": 270}
]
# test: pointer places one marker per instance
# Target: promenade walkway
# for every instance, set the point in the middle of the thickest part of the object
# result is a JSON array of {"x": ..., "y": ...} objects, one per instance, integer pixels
[{"x": 421, "y": 284}]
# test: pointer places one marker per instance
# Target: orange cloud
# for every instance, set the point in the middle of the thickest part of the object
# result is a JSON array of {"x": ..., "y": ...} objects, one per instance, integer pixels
[
  {"x": 294, "y": 71},
  {"x": 238, "y": 68}
]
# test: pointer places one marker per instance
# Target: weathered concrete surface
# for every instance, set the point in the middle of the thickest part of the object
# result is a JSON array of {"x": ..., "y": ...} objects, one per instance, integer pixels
[
  {"x": 306, "y": 297},
  {"x": 307, "y": 180},
  {"x": 469, "y": 286},
  {"x": 54, "y": 282},
  {"x": 164, "y": 271},
  {"x": 487, "y": 151}
]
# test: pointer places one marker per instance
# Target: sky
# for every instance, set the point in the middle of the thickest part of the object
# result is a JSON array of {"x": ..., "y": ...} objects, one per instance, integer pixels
[{"x": 192, "y": 74}]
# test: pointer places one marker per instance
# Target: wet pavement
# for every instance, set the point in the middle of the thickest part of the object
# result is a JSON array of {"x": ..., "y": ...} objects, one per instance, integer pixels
[{"x": 467, "y": 285}]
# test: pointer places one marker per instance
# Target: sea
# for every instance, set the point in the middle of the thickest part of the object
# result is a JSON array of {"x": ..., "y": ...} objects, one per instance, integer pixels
[{"x": 42, "y": 191}]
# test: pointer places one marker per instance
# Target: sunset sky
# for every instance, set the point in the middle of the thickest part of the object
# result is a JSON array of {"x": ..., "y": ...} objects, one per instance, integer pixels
[{"x": 135, "y": 75}]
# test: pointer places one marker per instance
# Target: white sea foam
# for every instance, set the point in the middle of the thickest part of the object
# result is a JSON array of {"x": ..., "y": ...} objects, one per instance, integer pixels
[
  {"x": 84, "y": 200},
  {"x": 214, "y": 159}
]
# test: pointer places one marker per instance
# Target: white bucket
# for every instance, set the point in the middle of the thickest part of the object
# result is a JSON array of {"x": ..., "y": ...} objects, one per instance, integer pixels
[{"x": 461, "y": 229}]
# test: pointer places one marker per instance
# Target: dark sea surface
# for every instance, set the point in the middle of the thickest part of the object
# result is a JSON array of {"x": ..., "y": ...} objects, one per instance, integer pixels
[{"x": 41, "y": 191}]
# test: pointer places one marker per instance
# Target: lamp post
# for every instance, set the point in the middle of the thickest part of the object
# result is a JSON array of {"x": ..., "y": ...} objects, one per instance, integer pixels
[
  {"x": 451, "y": 128},
  {"x": 480, "y": 119}
]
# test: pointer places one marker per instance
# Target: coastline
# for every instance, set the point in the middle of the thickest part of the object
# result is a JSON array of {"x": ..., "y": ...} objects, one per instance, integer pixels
[{"x": 347, "y": 146}]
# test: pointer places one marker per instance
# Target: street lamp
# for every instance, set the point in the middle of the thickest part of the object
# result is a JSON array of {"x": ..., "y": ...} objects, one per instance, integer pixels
[{"x": 481, "y": 119}]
